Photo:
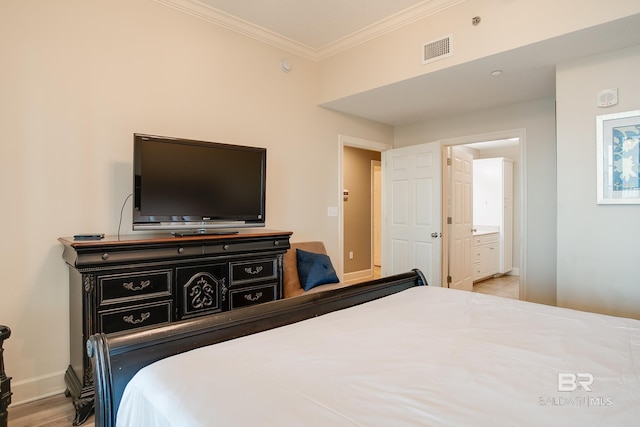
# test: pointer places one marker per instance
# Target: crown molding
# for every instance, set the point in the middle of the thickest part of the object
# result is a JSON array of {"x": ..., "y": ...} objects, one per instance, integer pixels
[
  {"x": 233, "y": 23},
  {"x": 385, "y": 26}
]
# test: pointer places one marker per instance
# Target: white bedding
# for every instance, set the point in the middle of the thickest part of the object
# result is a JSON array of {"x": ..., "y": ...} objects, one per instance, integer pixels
[{"x": 427, "y": 356}]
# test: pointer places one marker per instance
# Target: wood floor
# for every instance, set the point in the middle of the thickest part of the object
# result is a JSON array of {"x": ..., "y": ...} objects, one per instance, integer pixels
[
  {"x": 507, "y": 286},
  {"x": 55, "y": 411},
  {"x": 58, "y": 411}
]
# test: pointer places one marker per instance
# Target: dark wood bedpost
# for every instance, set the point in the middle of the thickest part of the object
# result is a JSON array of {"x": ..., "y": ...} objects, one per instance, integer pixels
[{"x": 5, "y": 382}]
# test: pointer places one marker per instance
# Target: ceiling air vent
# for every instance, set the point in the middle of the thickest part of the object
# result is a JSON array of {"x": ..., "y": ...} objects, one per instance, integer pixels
[{"x": 436, "y": 49}]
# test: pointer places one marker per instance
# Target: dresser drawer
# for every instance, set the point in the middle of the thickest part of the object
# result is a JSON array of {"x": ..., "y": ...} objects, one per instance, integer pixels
[
  {"x": 477, "y": 270},
  {"x": 254, "y": 270},
  {"x": 253, "y": 295},
  {"x": 144, "y": 285},
  {"x": 134, "y": 317}
]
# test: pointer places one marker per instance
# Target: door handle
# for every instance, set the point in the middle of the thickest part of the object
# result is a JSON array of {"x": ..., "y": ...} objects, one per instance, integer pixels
[{"x": 435, "y": 234}]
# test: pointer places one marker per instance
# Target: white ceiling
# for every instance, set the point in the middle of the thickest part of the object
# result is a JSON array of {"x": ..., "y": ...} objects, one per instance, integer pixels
[
  {"x": 318, "y": 28},
  {"x": 313, "y": 23}
]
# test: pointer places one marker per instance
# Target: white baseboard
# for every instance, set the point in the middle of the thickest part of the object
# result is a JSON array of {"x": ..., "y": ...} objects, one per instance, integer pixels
[
  {"x": 357, "y": 275},
  {"x": 37, "y": 388}
]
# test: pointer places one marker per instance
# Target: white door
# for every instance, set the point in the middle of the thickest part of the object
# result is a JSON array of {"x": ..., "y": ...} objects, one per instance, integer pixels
[
  {"x": 412, "y": 205},
  {"x": 461, "y": 211}
]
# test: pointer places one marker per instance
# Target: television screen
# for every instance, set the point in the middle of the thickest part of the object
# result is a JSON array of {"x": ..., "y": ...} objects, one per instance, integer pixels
[{"x": 185, "y": 184}]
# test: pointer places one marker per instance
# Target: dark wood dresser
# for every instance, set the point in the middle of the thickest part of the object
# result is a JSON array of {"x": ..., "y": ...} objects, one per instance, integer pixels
[
  {"x": 5, "y": 382},
  {"x": 119, "y": 285}
]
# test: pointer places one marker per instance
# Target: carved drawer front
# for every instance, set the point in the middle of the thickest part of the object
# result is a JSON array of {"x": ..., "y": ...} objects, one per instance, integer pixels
[
  {"x": 249, "y": 271},
  {"x": 144, "y": 285},
  {"x": 134, "y": 317},
  {"x": 253, "y": 295},
  {"x": 201, "y": 289}
]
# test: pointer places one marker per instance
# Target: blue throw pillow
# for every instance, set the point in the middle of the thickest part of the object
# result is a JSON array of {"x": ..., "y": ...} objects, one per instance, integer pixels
[{"x": 314, "y": 269}]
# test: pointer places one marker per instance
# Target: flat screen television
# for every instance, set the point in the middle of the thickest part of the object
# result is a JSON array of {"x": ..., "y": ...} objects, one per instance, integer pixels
[{"x": 190, "y": 186}]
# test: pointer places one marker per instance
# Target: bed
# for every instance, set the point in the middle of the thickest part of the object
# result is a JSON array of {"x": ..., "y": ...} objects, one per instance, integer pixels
[{"x": 390, "y": 352}]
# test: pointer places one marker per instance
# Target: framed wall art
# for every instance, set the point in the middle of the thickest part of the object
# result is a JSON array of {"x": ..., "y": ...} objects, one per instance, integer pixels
[{"x": 618, "y": 158}]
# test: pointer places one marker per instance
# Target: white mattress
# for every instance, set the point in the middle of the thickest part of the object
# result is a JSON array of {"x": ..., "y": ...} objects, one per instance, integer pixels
[{"x": 426, "y": 356}]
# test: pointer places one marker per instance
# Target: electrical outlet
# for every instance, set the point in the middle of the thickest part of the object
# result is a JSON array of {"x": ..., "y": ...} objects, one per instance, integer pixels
[{"x": 350, "y": 254}]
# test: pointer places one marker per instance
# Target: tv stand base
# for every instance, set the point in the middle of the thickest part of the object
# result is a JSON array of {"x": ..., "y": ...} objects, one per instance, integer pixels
[{"x": 204, "y": 232}]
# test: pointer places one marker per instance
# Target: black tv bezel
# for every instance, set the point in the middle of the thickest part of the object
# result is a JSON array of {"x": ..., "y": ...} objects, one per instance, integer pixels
[{"x": 202, "y": 224}]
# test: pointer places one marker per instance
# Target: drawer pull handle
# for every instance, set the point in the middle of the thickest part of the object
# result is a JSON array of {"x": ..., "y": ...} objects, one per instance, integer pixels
[
  {"x": 253, "y": 298},
  {"x": 131, "y": 320},
  {"x": 253, "y": 271},
  {"x": 130, "y": 286}
]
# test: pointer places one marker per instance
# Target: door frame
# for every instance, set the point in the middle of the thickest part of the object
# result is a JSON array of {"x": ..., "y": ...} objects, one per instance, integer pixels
[
  {"x": 519, "y": 133},
  {"x": 355, "y": 142},
  {"x": 376, "y": 186}
]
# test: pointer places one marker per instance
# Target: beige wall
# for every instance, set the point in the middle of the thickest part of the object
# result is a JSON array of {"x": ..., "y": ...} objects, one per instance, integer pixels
[
  {"x": 78, "y": 79},
  {"x": 597, "y": 244},
  {"x": 357, "y": 178}
]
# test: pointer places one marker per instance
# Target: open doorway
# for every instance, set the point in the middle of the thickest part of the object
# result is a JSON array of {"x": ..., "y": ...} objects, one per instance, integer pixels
[
  {"x": 360, "y": 208},
  {"x": 491, "y": 244}
]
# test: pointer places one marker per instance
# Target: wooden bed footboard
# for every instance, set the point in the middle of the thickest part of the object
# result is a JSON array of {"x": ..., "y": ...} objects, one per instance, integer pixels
[{"x": 117, "y": 357}]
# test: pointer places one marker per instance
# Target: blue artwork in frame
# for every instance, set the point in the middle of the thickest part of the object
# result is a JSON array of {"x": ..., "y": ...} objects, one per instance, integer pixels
[
  {"x": 618, "y": 162},
  {"x": 626, "y": 157}
]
